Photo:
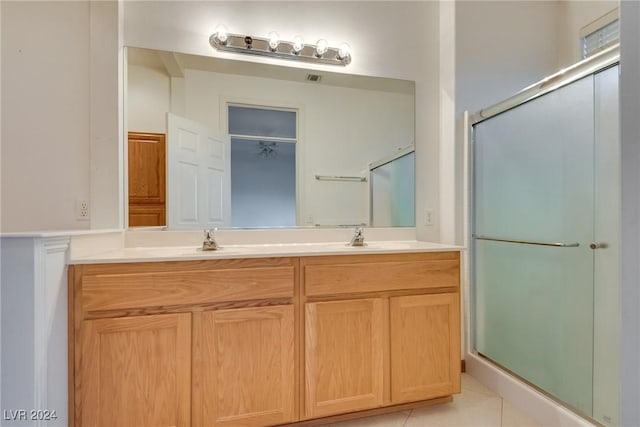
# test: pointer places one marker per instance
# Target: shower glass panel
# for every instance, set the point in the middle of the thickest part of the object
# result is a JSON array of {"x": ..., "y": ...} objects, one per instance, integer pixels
[
  {"x": 534, "y": 183},
  {"x": 393, "y": 193}
]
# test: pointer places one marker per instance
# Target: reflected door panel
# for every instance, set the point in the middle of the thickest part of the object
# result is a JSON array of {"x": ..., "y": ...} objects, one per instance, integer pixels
[
  {"x": 199, "y": 178},
  {"x": 147, "y": 182}
]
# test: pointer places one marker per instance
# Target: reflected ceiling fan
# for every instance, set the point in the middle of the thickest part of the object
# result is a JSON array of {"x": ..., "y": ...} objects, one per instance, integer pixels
[{"x": 267, "y": 149}]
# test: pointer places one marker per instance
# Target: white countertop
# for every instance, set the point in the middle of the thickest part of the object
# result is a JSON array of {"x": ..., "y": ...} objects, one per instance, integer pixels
[
  {"x": 56, "y": 233},
  {"x": 187, "y": 253}
]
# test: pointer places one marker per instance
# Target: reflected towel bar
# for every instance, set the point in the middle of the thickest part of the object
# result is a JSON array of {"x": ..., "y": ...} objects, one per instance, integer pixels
[
  {"x": 340, "y": 178},
  {"x": 529, "y": 242}
]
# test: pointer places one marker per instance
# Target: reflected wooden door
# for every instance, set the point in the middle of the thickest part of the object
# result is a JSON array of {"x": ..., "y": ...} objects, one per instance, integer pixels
[{"x": 147, "y": 182}]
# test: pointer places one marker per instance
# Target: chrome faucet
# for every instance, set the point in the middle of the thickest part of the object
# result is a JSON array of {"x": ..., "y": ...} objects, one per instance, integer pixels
[
  {"x": 209, "y": 243},
  {"x": 358, "y": 237}
]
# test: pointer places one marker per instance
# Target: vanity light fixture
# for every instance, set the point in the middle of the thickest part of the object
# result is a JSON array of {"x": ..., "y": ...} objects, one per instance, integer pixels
[
  {"x": 321, "y": 47},
  {"x": 344, "y": 51},
  {"x": 274, "y": 40},
  {"x": 298, "y": 45},
  {"x": 272, "y": 46},
  {"x": 221, "y": 34}
]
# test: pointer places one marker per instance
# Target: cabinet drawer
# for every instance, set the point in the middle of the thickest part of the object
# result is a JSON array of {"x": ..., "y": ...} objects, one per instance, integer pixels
[
  {"x": 378, "y": 273},
  {"x": 147, "y": 285}
]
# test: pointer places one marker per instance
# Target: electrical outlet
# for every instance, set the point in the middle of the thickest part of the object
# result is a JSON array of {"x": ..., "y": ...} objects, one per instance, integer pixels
[
  {"x": 308, "y": 219},
  {"x": 428, "y": 217},
  {"x": 82, "y": 209}
]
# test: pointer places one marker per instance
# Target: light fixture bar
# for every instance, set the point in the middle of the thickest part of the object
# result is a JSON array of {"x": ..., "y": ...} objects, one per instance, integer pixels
[{"x": 284, "y": 49}]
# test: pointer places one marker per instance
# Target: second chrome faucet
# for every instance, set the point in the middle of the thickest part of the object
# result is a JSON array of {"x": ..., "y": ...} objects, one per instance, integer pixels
[
  {"x": 209, "y": 243},
  {"x": 358, "y": 237}
]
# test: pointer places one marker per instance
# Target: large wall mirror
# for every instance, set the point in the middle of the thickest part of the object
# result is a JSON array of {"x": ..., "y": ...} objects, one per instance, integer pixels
[{"x": 227, "y": 143}]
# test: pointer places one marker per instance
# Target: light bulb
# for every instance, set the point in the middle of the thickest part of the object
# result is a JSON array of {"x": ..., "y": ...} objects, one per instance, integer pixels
[
  {"x": 221, "y": 34},
  {"x": 321, "y": 47},
  {"x": 274, "y": 40},
  {"x": 298, "y": 44},
  {"x": 343, "y": 51}
]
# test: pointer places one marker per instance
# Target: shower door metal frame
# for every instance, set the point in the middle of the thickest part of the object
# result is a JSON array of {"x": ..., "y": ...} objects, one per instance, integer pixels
[{"x": 598, "y": 62}]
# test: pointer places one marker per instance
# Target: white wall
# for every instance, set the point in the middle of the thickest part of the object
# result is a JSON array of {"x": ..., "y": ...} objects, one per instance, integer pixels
[
  {"x": 501, "y": 47},
  {"x": 105, "y": 119},
  {"x": 148, "y": 99},
  {"x": 186, "y": 27},
  {"x": 60, "y": 114},
  {"x": 45, "y": 114}
]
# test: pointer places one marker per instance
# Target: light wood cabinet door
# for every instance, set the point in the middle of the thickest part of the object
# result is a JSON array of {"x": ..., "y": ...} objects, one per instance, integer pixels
[
  {"x": 425, "y": 346},
  {"x": 244, "y": 367},
  {"x": 343, "y": 356},
  {"x": 136, "y": 371}
]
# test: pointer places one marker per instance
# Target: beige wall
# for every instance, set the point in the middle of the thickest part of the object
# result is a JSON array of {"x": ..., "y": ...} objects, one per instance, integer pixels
[
  {"x": 45, "y": 114},
  {"x": 60, "y": 133}
]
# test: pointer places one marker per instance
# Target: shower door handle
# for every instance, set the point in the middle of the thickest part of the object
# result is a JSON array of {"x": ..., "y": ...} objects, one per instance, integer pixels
[
  {"x": 528, "y": 242},
  {"x": 598, "y": 245}
]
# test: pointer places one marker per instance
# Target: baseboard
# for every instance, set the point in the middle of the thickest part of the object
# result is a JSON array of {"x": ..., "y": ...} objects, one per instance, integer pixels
[
  {"x": 523, "y": 397},
  {"x": 370, "y": 412}
]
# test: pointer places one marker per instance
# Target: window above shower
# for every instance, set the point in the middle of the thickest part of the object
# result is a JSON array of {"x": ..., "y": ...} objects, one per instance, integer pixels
[{"x": 600, "y": 34}]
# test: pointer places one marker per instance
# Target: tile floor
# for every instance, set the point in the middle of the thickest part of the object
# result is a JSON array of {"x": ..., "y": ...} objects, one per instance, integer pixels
[{"x": 476, "y": 406}]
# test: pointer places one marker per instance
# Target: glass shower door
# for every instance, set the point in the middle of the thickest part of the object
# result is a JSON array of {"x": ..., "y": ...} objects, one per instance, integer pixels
[{"x": 534, "y": 203}]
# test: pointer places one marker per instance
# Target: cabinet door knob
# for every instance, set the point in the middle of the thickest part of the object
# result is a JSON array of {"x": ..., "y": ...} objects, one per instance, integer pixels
[{"x": 597, "y": 245}]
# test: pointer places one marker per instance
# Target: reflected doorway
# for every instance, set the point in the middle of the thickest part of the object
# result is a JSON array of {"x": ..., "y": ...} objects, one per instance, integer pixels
[{"x": 263, "y": 166}]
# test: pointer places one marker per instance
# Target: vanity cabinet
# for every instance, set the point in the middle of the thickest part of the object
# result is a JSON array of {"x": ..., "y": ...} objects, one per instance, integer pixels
[
  {"x": 136, "y": 371},
  {"x": 343, "y": 356},
  {"x": 380, "y": 330},
  {"x": 425, "y": 346},
  {"x": 243, "y": 367},
  {"x": 261, "y": 342},
  {"x": 192, "y": 343}
]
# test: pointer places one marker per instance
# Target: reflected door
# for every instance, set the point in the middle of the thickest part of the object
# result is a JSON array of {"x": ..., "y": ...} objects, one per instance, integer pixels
[
  {"x": 534, "y": 184},
  {"x": 199, "y": 177},
  {"x": 147, "y": 182}
]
